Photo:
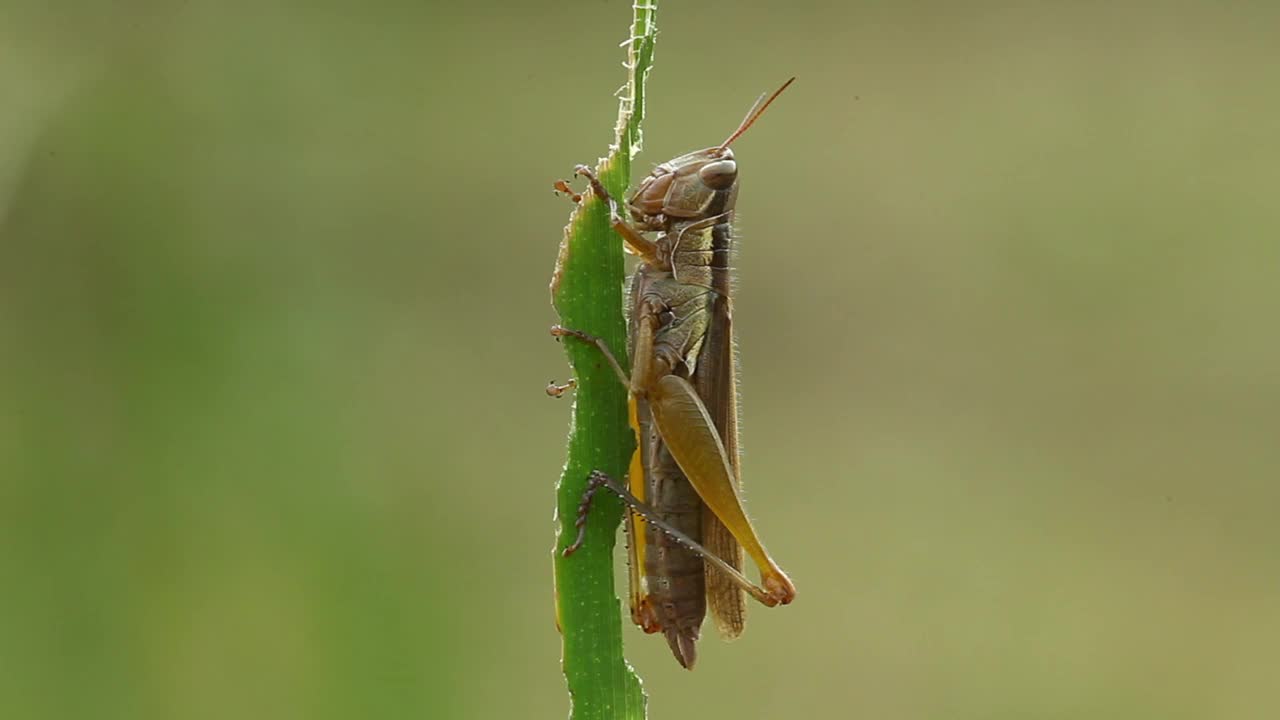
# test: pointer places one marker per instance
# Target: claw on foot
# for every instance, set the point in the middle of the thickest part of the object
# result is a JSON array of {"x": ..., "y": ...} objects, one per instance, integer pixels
[
  {"x": 562, "y": 186},
  {"x": 596, "y": 186},
  {"x": 556, "y": 391},
  {"x": 559, "y": 331}
]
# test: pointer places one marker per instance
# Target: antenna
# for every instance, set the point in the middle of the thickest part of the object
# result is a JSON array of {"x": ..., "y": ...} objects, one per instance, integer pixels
[{"x": 753, "y": 114}]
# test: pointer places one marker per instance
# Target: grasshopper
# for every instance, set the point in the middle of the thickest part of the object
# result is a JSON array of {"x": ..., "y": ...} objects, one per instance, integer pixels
[{"x": 687, "y": 527}]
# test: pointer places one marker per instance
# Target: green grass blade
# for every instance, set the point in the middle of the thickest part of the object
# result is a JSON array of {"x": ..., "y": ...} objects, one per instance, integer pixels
[{"x": 587, "y": 292}]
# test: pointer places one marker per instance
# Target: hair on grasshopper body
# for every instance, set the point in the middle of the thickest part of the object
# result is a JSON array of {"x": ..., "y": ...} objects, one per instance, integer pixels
[{"x": 687, "y": 526}]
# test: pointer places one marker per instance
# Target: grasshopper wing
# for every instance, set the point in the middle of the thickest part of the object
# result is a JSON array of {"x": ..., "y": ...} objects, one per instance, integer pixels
[{"x": 716, "y": 380}]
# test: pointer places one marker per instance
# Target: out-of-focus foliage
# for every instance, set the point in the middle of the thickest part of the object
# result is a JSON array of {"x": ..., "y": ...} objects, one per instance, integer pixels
[{"x": 273, "y": 311}]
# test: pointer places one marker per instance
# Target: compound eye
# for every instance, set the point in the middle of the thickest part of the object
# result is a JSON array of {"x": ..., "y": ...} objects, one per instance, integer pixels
[{"x": 720, "y": 174}]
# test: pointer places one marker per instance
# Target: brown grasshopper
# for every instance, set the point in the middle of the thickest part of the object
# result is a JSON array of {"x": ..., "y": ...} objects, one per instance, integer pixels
[{"x": 687, "y": 526}]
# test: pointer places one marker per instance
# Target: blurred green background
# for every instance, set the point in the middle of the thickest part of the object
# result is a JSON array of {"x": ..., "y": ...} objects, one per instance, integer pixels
[{"x": 273, "y": 312}]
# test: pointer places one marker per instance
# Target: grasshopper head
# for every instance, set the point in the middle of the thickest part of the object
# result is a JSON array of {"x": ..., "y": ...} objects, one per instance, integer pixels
[{"x": 700, "y": 184}]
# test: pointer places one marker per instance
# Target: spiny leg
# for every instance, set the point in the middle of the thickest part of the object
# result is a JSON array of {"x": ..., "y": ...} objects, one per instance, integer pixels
[
  {"x": 639, "y": 244},
  {"x": 559, "y": 331},
  {"x": 598, "y": 479},
  {"x": 647, "y": 364},
  {"x": 642, "y": 612},
  {"x": 584, "y": 508}
]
